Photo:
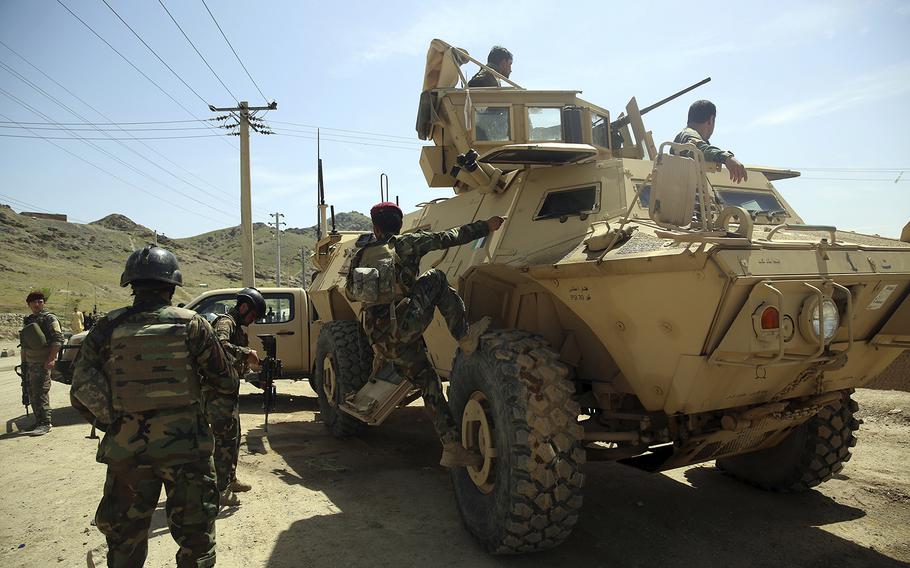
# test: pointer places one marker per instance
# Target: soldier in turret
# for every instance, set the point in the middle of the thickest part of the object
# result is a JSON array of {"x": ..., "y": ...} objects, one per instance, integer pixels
[
  {"x": 699, "y": 128},
  {"x": 223, "y": 412},
  {"x": 139, "y": 377},
  {"x": 499, "y": 59},
  {"x": 396, "y": 335},
  {"x": 41, "y": 339}
]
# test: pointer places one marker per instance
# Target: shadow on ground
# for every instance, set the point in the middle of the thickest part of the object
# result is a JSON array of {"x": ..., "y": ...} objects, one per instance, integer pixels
[
  {"x": 395, "y": 507},
  {"x": 60, "y": 417}
]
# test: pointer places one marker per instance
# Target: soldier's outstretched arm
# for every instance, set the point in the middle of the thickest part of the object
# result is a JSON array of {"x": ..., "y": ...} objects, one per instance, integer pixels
[
  {"x": 212, "y": 362},
  {"x": 224, "y": 330},
  {"x": 424, "y": 242}
]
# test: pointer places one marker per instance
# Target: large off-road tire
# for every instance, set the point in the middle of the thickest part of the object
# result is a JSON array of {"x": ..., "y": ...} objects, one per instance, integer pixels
[
  {"x": 516, "y": 408},
  {"x": 343, "y": 364},
  {"x": 813, "y": 453}
]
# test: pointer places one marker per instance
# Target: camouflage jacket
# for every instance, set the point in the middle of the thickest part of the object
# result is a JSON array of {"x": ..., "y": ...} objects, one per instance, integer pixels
[
  {"x": 50, "y": 326},
  {"x": 411, "y": 247},
  {"x": 161, "y": 437},
  {"x": 711, "y": 153},
  {"x": 484, "y": 78},
  {"x": 233, "y": 338}
]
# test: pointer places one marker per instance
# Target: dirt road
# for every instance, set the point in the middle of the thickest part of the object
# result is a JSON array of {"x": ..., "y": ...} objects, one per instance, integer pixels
[{"x": 382, "y": 501}]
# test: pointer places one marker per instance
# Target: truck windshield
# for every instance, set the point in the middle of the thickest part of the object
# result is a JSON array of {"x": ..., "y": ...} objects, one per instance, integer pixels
[{"x": 755, "y": 202}]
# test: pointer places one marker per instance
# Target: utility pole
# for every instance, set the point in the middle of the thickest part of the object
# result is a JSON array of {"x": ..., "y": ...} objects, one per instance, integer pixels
[
  {"x": 278, "y": 223},
  {"x": 303, "y": 268},
  {"x": 242, "y": 114}
]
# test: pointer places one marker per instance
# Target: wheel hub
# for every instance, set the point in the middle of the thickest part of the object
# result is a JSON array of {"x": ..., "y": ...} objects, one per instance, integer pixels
[
  {"x": 329, "y": 380},
  {"x": 477, "y": 430}
]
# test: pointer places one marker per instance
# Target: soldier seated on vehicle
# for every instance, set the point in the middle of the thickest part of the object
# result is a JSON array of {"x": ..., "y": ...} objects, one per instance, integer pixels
[
  {"x": 399, "y": 306},
  {"x": 499, "y": 59},
  {"x": 699, "y": 128}
]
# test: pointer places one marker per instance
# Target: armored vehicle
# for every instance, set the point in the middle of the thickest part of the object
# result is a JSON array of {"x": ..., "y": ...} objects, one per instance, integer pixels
[{"x": 646, "y": 310}]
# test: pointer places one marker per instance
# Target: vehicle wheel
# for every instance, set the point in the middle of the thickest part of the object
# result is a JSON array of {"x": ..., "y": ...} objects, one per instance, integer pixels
[
  {"x": 343, "y": 363},
  {"x": 812, "y": 454},
  {"x": 517, "y": 410}
]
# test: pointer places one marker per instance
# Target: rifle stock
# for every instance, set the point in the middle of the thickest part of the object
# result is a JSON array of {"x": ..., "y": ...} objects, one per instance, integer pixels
[{"x": 270, "y": 370}]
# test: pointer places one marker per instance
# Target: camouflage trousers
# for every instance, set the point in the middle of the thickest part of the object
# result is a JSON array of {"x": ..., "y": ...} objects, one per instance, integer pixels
[
  {"x": 403, "y": 346},
  {"x": 223, "y": 415},
  {"x": 131, "y": 496},
  {"x": 39, "y": 391}
]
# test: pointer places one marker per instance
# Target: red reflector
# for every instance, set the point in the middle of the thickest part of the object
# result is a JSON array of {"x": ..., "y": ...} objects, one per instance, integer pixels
[{"x": 770, "y": 318}]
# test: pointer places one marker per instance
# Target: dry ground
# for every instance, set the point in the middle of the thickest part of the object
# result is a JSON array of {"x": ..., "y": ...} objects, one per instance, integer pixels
[{"x": 382, "y": 501}]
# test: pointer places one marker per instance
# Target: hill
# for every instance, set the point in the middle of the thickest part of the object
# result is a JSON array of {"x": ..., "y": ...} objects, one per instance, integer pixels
[{"x": 81, "y": 264}]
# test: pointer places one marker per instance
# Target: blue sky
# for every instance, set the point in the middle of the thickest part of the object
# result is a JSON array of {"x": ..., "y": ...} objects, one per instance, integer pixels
[{"x": 821, "y": 87}]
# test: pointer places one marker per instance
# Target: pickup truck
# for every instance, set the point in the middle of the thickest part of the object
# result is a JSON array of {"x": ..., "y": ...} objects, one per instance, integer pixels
[{"x": 289, "y": 316}]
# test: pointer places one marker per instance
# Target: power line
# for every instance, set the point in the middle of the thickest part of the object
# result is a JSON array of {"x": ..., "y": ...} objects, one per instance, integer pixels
[
  {"x": 111, "y": 138},
  {"x": 102, "y": 129},
  {"x": 352, "y": 136},
  {"x": 345, "y": 141},
  {"x": 195, "y": 49},
  {"x": 235, "y": 51},
  {"x": 408, "y": 138},
  {"x": 99, "y": 113},
  {"x": 91, "y": 107},
  {"x": 33, "y": 207},
  {"x": 155, "y": 53},
  {"x": 118, "y": 178},
  {"x": 108, "y": 136},
  {"x": 133, "y": 65},
  {"x": 855, "y": 179}
]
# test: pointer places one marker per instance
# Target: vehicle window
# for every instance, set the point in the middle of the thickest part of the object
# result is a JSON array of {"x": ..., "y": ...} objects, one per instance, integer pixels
[
  {"x": 752, "y": 201},
  {"x": 491, "y": 124},
  {"x": 644, "y": 195},
  {"x": 279, "y": 308},
  {"x": 544, "y": 124},
  {"x": 573, "y": 201},
  {"x": 212, "y": 307},
  {"x": 599, "y": 130}
]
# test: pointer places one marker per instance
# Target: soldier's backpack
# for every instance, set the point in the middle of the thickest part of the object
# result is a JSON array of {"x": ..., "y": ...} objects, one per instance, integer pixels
[{"x": 374, "y": 280}]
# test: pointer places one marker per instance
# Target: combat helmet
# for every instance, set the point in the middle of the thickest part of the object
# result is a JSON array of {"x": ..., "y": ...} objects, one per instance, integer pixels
[
  {"x": 152, "y": 263},
  {"x": 254, "y": 298}
]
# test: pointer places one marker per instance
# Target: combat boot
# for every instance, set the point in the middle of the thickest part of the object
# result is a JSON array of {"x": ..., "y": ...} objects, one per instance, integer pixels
[
  {"x": 456, "y": 455},
  {"x": 238, "y": 486},
  {"x": 229, "y": 499},
  {"x": 471, "y": 339},
  {"x": 40, "y": 430}
]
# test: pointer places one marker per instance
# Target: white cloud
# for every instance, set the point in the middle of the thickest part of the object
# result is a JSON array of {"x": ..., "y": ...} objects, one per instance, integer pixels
[{"x": 882, "y": 84}]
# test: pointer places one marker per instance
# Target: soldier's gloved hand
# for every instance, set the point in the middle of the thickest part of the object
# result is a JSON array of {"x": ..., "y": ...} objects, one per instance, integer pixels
[
  {"x": 737, "y": 169},
  {"x": 252, "y": 359},
  {"x": 494, "y": 223},
  {"x": 49, "y": 365}
]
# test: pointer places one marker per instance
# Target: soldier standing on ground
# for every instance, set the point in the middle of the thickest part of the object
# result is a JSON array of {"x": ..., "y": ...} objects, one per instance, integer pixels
[
  {"x": 699, "y": 128},
  {"x": 223, "y": 412},
  {"x": 77, "y": 323},
  {"x": 139, "y": 378},
  {"x": 499, "y": 59},
  {"x": 397, "y": 337},
  {"x": 41, "y": 338}
]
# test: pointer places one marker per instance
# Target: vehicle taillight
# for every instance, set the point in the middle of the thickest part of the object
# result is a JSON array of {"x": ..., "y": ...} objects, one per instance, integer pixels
[{"x": 770, "y": 319}]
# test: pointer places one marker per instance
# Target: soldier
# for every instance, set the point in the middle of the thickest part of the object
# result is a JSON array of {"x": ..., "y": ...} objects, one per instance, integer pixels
[
  {"x": 396, "y": 336},
  {"x": 139, "y": 378},
  {"x": 41, "y": 339},
  {"x": 499, "y": 59},
  {"x": 223, "y": 412},
  {"x": 700, "y": 127}
]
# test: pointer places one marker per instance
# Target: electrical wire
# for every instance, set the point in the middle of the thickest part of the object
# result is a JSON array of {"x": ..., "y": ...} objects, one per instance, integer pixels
[
  {"x": 120, "y": 179},
  {"x": 150, "y": 148},
  {"x": 235, "y": 52},
  {"x": 91, "y": 107},
  {"x": 408, "y": 138},
  {"x": 112, "y": 139},
  {"x": 101, "y": 129},
  {"x": 33, "y": 207},
  {"x": 324, "y": 139},
  {"x": 404, "y": 144},
  {"x": 196, "y": 50},
  {"x": 112, "y": 156},
  {"x": 133, "y": 65}
]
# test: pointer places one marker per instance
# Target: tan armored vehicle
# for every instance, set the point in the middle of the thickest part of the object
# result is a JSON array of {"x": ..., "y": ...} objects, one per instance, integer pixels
[{"x": 645, "y": 309}]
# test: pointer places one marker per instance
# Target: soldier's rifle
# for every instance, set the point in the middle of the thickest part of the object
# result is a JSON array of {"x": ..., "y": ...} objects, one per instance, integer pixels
[
  {"x": 269, "y": 371},
  {"x": 22, "y": 371}
]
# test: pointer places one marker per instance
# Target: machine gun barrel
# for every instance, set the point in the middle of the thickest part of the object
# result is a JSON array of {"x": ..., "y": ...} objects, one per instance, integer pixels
[{"x": 624, "y": 120}]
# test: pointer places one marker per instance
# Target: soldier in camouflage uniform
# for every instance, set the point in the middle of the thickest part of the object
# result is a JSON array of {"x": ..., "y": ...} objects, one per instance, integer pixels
[
  {"x": 41, "y": 339},
  {"x": 499, "y": 59},
  {"x": 401, "y": 342},
  {"x": 699, "y": 128},
  {"x": 139, "y": 377},
  {"x": 223, "y": 412}
]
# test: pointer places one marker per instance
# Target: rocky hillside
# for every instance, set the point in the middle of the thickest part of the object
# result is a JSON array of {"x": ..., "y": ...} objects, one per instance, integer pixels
[{"x": 81, "y": 264}]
